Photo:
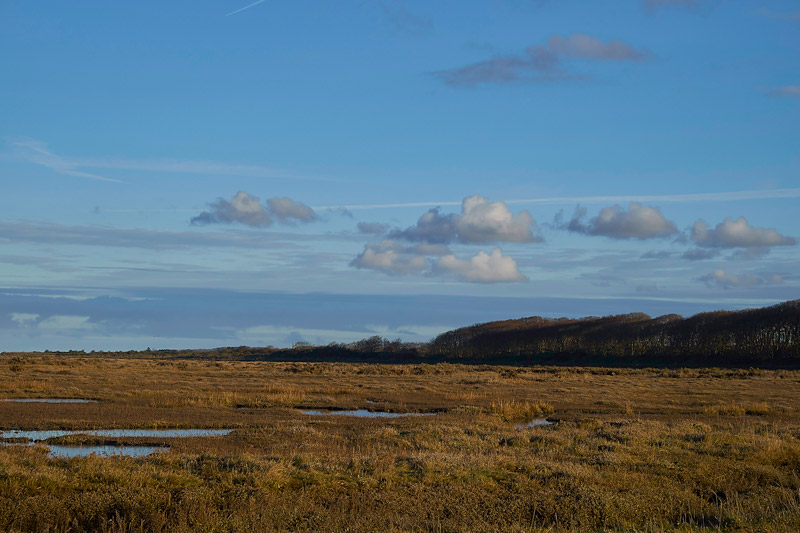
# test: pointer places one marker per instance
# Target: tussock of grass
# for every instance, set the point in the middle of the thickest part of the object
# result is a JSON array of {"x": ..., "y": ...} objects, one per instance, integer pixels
[
  {"x": 519, "y": 411},
  {"x": 738, "y": 409}
]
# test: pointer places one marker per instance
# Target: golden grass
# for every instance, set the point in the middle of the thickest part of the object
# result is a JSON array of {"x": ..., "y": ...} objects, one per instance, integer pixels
[{"x": 646, "y": 450}]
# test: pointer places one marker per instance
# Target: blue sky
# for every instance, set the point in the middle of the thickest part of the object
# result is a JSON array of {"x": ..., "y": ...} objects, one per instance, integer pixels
[{"x": 195, "y": 174}]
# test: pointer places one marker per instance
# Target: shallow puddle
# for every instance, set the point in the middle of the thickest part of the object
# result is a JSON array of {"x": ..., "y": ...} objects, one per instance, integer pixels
[
  {"x": 47, "y": 400},
  {"x": 534, "y": 423},
  {"x": 68, "y": 452},
  {"x": 361, "y": 413},
  {"x": 39, "y": 435}
]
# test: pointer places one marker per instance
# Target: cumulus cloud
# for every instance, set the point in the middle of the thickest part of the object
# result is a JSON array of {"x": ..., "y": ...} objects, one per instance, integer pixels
[
  {"x": 542, "y": 63},
  {"x": 390, "y": 257},
  {"x": 638, "y": 222},
  {"x": 396, "y": 259},
  {"x": 247, "y": 209},
  {"x": 372, "y": 228},
  {"x": 737, "y": 233},
  {"x": 287, "y": 210},
  {"x": 727, "y": 280},
  {"x": 483, "y": 267},
  {"x": 480, "y": 221}
]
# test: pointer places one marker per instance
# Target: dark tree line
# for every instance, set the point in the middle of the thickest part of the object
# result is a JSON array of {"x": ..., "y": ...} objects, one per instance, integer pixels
[{"x": 755, "y": 334}]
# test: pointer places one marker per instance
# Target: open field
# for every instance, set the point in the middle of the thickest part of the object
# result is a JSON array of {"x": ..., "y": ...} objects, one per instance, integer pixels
[{"x": 649, "y": 449}]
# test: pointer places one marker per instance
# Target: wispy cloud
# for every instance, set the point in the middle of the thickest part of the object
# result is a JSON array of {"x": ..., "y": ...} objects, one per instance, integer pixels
[
  {"x": 403, "y": 19},
  {"x": 766, "y": 194},
  {"x": 786, "y": 91},
  {"x": 57, "y": 234},
  {"x": 37, "y": 152},
  {"x": 788, "y": 16},
  {"x": 654, "y": 4},
  {"x": 184, "y": 166},
  {"x": 542, "y": 63},
  {"x": 245, "y": 7}
]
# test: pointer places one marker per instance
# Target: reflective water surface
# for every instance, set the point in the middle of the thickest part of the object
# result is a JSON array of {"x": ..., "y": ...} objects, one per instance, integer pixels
[
  {"x": 104, "y": 451},
  {"x": 534, "y": 423},
  {"x": 39, "y": 435},
  {"x": 362, "y": 413},
  {"x": 47, "y": 400}
]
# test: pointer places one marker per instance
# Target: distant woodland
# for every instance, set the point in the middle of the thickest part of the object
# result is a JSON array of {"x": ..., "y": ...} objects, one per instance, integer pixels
[{"x": 761, "y": 337}]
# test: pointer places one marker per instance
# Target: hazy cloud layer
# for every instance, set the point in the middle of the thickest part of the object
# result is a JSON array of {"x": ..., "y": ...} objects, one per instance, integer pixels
[
  {"x": 727, "y": 280},
  {"x": 57, "y": 234},
  {"x": 699, "y": 254},
  {"x": 638, "y": 222},
  {"x": 480, "y": 221},
  {"x": 483, "y": 267},
  {"x": 542, "y": 63},
  {"x": 788, "y": 91},
  {"x": 737, "y": 233},
  {"x": 247, "y": 209}
]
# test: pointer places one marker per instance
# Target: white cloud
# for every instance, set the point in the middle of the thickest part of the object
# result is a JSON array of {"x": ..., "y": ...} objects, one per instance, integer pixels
[
  {"x": 480, "y": 221},
  {"x": 65, "y": 322},
  {"x": 737, "y": 234},
  {"x": 391, "y": 258},
  {"x": 23, "y": 319},
  {"x": 483, "y": 267},
  {"x": 483, "y": 221},
  {"x": 638, "y": 222}
]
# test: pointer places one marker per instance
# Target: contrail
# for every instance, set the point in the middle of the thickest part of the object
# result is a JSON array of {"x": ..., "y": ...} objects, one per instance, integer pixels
[
  {"x": 243, "y": 8},
  {"x": 564, "y": 200}
]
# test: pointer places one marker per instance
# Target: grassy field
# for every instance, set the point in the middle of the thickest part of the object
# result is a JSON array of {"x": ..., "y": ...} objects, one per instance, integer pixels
[{"x": 650, "y": 450}]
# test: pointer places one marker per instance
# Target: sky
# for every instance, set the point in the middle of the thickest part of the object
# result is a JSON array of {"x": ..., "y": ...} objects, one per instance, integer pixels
[{"x": 196, "y": 174}]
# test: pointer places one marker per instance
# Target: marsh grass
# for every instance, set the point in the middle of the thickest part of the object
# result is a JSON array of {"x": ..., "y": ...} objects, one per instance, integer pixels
[
  {"x": 647, "y": 450},
  {"x": 519, "y": 410}
]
